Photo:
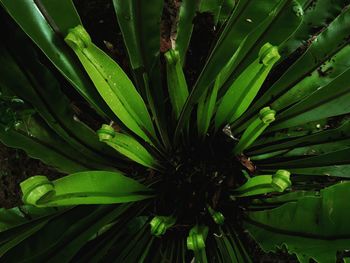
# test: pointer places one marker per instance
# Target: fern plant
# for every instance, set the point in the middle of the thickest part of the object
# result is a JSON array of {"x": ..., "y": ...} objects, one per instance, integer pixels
[{"x": 165, "y": 171}]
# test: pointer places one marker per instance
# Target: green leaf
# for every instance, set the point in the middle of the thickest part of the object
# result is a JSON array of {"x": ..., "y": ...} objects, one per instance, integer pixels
[
  {"x": 299, "y": 131},
  {"x": 263, "y": 184},
  {"x": 322, "y": 48},
  {"x": 138, "y": 247},
  {"x": 235, "y": 31},
  {"x": 40, "y": 142},
  {"x": 16, "y": 216},
  {"x": 34, "y": 220},
  {"x": 336, "y": 170},
  {"x": 196, "y": 242},
  {"x": 211, "y": 6},
  {"x": 288, "y": 143},
  {"x": 46, "y": 22},
  {"x": 320, "y": 77},
  {"x": 160, "y": 224},
  {"x": 244, "y": 89},
  {"x": 330, "y": 100},
  {"x": 207, "y": 102},
  {"x": 275, "y": 29},
  {"x": 92, "y": 187},
  {"x": 317, "y": 14},
  {"x": 230, "y": 247},
  {"x": 184, "y": 30},
  {"x": 177, "y": 86},
  {"x": 312, "y": 227},
  {"x": 113, "y": 84},
  {"x": 127, "y": 146},
  {"x": 278, "y": 200},
  {"x": 140, "y": 26},
  {"x": 29, "y": 79},
  {"x": 92, "y": 226},
  {"x": 62, "y": 235},
  {"x": 217, "y": 216},
  {"x": 337, "y": 159},
  {"x": 13, "y": 237},
  {"x": 108, "y": 244},
  {"x": 226, "y": 9},
  {"x": 255, "y": 129},
  {"x": 206, "y": 107},
  {"x": 139, "y": 22},
  {"x": 312, "y": 150},
  {"x": 29, "y": 131}
]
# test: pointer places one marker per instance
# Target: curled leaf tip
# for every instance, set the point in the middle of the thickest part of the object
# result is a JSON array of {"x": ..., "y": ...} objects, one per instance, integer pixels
[
  {"x": 78, "y": 38},
  {"x": 172, "y": 56},
  {"x": 160, "y": 224},
  {"x": 268, "y": 54},
  {"x": 267, "y": 115},
  {"x": 217, "y": 216},
  {"x": 106, "y": 133},
  {"x": 255, "y": 129},
  {"x": 36, "y": 188},
  {"x": 297, "y": 9},
  {"x": 83, "y": 188},
  {"x": 196, "y": 238},
  {"x": 281, "y": 180}
]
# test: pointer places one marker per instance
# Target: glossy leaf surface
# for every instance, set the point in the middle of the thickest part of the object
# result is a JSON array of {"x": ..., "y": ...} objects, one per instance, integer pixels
[
  {"x": 112, "y": 83},
  {"x": 92, "y": 187}
]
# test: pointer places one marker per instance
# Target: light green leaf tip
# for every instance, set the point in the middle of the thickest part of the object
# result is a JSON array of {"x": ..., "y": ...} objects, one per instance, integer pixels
[
  {"x": 218, "y": 217},
  {"x": 255, "y": 129},
  {"x": 160, "y": 224},
  {"x": 281, "y": 180},
  {"x": 263, "y": 184},
  {"x": 196, "y": 238},
  {"x": 126, "y": 145}
]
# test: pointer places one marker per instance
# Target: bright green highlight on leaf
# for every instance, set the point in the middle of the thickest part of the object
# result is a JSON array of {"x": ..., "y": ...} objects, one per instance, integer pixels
[
  {"x": 255, "y": 129},
  {"x": 263, "y": 184},
  {"x": 244, "y": 89},
  {"x": 196, "y": 242},
  {"x": 177, "y": 86},
  {"x": 93, "y": 187},
  {"x": 126, "y": 145},
  {"x": 281, "y": 180},
  {"x": 112, "y": 83},
  {"x": 217, "y": 216},
  {"x": 160, "y": 224}
]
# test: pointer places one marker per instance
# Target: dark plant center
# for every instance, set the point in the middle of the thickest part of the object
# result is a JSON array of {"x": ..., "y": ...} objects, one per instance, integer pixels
[{"x": 198, "y": 176}]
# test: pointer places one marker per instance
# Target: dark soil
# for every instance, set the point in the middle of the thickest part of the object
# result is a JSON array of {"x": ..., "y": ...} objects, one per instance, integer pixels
[{"x": 16, "y": 166}]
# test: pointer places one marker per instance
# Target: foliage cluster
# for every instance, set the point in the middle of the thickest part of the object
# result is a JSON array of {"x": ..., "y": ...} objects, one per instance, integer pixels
[{"x": 259, "y": 145}]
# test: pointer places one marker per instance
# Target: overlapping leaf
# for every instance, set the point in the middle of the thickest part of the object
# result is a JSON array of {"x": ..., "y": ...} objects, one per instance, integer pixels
[
  {"x": 90, "y": 187},
  {"x": 236, "y": 30},
  {"x": 46, "y": 23},
  {"x": 312, "y": 227},
  {"x": 139, "y": 22},
  {"x": 113, "y": 84},
  {"x": 28, "y": 78},
  {"x": 333, "y": 39}
]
